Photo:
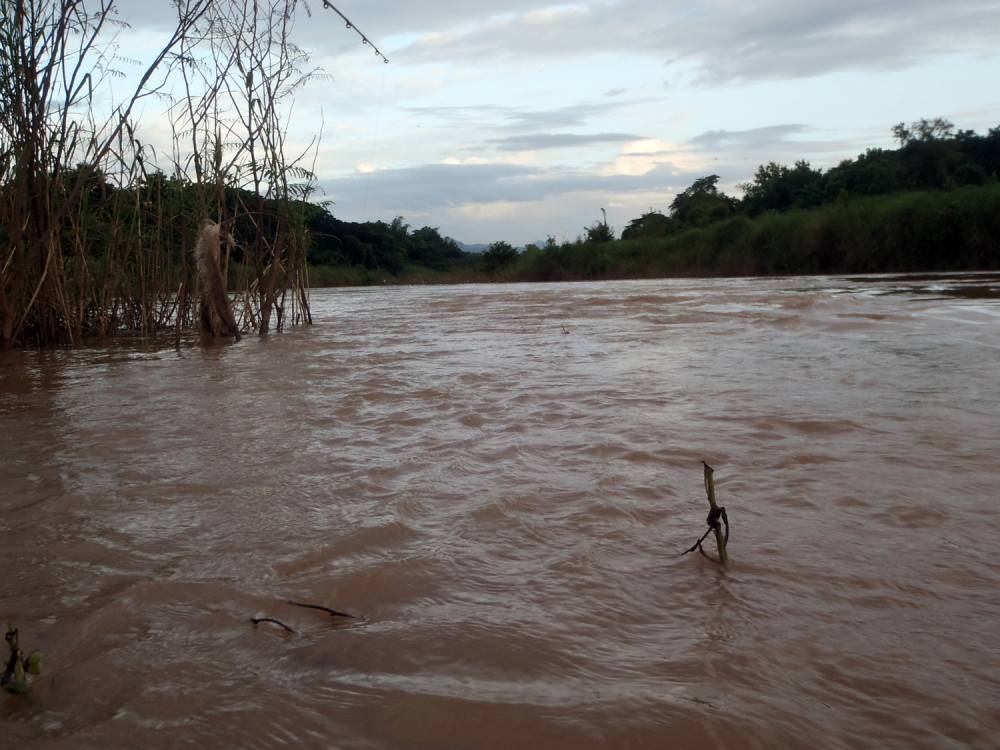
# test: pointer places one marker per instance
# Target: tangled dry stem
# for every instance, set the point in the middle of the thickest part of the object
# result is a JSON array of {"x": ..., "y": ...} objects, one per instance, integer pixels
[{"x": 216, "y": 311}]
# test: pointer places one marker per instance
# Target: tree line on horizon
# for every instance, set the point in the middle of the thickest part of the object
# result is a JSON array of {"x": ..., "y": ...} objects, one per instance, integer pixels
[
  {"x": 931, "y": 156},
  {"x": 870, "y": 213},
  {"x": 933, "y": 203}
]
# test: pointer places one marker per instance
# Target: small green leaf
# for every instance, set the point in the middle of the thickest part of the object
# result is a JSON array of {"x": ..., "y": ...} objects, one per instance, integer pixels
[
  {"x": 17, "y": 688},
  {"x": 18, "y": 671},
  {"x": 34, "y": 663}
]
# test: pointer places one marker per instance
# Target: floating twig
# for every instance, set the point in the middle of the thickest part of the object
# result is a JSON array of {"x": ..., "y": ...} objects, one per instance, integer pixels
[
  {"x": 321, "y": 608},
  {"x": 697, "y": 545},
  {"x": 259, "y": 620}
]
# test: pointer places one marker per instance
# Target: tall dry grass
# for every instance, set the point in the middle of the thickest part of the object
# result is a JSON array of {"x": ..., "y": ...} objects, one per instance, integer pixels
[{"x": 96, "y": 239}]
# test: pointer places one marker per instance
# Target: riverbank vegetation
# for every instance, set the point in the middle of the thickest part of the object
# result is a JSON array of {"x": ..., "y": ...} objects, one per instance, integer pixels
[
  {"x": 952, "y": 230},
  {"x": 933, "y": 204},
  {"x": 96, "y": 240}
]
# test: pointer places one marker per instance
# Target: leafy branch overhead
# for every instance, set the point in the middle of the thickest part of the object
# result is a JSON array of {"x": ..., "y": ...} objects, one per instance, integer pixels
[{"x": 330, "y": 6}]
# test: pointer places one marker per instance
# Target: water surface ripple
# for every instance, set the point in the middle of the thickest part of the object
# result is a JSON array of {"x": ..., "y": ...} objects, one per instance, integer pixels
[{"x": 498, "y": 480}]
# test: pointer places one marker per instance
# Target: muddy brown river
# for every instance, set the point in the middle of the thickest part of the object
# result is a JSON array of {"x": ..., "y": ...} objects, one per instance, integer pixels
[{"x": 498, "y": 481}]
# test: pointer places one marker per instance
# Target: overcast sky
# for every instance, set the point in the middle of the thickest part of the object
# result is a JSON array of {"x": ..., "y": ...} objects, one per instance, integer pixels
[{"x": 520, "y": 120}]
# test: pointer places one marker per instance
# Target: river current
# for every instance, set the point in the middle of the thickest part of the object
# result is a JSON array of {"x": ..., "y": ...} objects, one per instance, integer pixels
[{"x": 498, "y": 481}]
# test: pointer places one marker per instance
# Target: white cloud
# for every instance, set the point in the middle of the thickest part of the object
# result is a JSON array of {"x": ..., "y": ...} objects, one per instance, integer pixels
[
  {"x": 640, "y": 157},
  {"x": 489, "y": 211}
]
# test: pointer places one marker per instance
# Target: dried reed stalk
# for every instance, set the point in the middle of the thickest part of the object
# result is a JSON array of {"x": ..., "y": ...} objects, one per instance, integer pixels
[{"x": 215, "y": 310}]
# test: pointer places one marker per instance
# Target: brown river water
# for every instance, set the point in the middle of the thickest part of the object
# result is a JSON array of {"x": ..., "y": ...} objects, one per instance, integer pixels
[{"x": 498, "y": 481}]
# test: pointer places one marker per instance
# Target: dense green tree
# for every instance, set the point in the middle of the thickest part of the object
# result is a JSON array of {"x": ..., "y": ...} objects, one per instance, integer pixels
[
  {"x": 923, "y": 130},
  {"x": 702, "y": 203},
  {"x": 599, "y": 232},
  {"x": 428, "y": 248},
  {"x": 874, "y": 172},
  {"x": 776, "y": 187},
  {"x": 930, "y": 164},
  {"x": 379, "y": 246},
  {"x": 980, "y": 155},
  {"x": 650, "y": 224},
  {"x": 498, "y": 255}
]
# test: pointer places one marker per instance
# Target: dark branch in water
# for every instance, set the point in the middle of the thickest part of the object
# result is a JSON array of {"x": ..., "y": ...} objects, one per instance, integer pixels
[
  {"x": 321, "y": 608},
  {"x": 259, "y": 620},
  {"x": 716, "y": 514},
  {"x": 331, "y": 612},
  {"x": 697, "y": 545},
  {"x": 15, "y": 674}
]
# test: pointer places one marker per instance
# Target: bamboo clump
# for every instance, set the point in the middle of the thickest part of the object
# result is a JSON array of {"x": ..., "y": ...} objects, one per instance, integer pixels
[{"x": 95, "y": 235}]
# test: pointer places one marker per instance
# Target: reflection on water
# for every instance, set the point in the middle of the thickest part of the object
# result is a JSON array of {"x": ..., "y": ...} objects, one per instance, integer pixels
[{"x": 504, "y": 503}]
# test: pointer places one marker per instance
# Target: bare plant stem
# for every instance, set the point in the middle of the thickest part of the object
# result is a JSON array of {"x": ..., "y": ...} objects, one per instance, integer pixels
[
  {"x": 331, "y": 612},
  {"x": 259, "y": 620},
  {"x": 716, "y": 512}
]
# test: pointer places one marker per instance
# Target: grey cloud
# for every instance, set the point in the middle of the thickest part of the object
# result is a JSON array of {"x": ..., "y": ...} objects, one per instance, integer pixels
[
  {"x": 536, "y": 141},
  {"x": 570, "y": 116},
  {"x": 461, "y": 112},
  {"x": 729, "y": 41},
  {"x": 384, "y": 17},
  {"x": 436, "y": 186},
  {"x": 433, "y": 185},
  {"x": 430, "y": 189},
  {"x": 615, "y": 92},
  {"x": 752, "y": 138},
  {"x": 518, "y": 118},
  {"x": 144, "y": 14},
  {"x": 379, "y": 19},
  {"x": 726, "y": 41},
  {"x": 773, "y": 143}
]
